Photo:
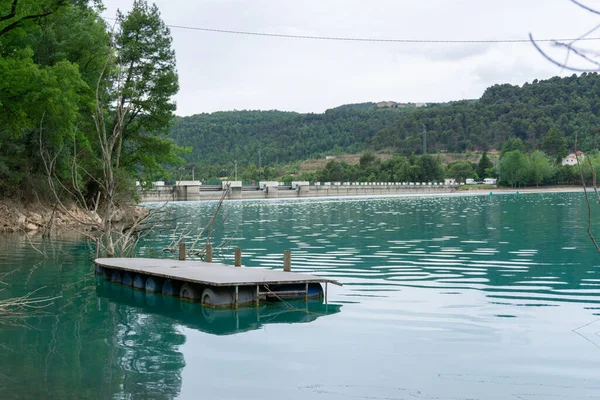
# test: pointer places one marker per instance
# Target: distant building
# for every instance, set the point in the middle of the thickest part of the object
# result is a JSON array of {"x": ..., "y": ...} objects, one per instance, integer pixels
[
  {"x": 490, "y": 181},
  {"x": 387, "y": 104},
  {"x": 188, "y": 183},
  {"x": 330, "y": 157},
  {"x": 571, "y": 159},
  {"x": 449, "y": 181}
]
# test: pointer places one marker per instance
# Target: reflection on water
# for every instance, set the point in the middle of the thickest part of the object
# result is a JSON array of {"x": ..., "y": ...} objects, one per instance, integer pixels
[
  {"x": 514, "y": 247},
  {"x": 447, "y": 297},
  {"x": 216, "y": 321}
]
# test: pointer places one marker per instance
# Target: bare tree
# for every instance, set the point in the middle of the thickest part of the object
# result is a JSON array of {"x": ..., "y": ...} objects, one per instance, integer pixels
[
  {"x": 590, "y": 62},
  {"x": 111, "y": 221},
  {"x": 133, "y": 106},
  {"x": 574, "y": 49},
  {"x": 204, "y": 235}
]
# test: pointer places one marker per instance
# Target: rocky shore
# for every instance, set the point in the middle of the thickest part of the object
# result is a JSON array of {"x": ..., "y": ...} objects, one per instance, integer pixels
[{"x": 46, "y": 219}]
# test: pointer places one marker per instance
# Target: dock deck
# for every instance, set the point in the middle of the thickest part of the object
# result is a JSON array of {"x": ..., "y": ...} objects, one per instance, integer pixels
[{"x": 211, "y": 283}]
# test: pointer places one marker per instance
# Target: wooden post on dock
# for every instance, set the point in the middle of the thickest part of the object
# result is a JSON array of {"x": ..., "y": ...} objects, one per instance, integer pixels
[
  {"x": 287, "y": 261},
  {"x": 306, "y": 292},
  {"x": 182, "y": 251},
  {"x": 208, "y": 256},
  {"x": 238, "y": 257},
  {"x": 236, "y": 299}
]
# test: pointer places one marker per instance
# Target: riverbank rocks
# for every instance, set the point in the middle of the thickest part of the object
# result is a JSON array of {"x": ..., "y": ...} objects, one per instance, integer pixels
[{"x": 46, "y": 218}]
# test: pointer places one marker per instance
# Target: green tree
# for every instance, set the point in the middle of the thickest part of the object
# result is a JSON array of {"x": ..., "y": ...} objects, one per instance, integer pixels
[
  {"x": 145, "y": 79},
  {"x": 42, "y": 88},
  {"x": 555, "y": 144},
  {"x": 540, "y": 167},
  {"x": 484, "y": 164},
  {"x": 368, "y": 158},
  {"x": 332, "y": 172},
  {"x": 430, "y": 169},
  {"x": 514, "y": 168},
  {"x": 17, "y": 14},
  {"x": 512, "y": 144},
  {"x": 409, "y": 172},
  {"x": 460, "y": 170}
]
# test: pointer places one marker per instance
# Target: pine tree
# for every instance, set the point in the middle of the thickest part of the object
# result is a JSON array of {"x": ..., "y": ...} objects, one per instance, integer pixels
[
  {"x": 484, "y": 164},
  {"x": 146, "y": 80},
  {"x": 555, "y": 144}
]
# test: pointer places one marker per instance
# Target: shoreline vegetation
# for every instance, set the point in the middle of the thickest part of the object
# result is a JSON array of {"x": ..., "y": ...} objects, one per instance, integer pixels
[
  {"x": 89, "y": 111},
  {"x": 86, "y": 108}
]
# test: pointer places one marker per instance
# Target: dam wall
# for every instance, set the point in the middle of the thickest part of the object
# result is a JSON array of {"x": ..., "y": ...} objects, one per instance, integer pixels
[{"x": 269, "y": 190}]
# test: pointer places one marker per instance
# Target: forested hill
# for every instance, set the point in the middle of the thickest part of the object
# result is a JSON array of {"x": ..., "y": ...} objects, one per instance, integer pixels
[
  {"x": 279, "y": 137},
  {"x": 570, "y": 104}
]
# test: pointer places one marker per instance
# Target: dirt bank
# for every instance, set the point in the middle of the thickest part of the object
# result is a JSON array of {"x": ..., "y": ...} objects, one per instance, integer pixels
[{"x": 39, "y": 218}]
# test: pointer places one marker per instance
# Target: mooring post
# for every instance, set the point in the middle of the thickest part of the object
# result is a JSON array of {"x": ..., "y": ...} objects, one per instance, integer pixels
[
  {"x": 238, "y": 257},
  {"x": 236, "y": 297},
  {"x": 208, "y": 257},
  {"x": 325, "y": 292},
  {"x": 257, "y": 295},
  {"x": 306, "y": 293},
  {"x": 287, "y": 260},
  {"x": 181, "y": 251}
]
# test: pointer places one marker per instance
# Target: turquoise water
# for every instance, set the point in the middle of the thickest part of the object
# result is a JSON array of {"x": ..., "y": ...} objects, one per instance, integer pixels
[{"x": 449, "y": 297}]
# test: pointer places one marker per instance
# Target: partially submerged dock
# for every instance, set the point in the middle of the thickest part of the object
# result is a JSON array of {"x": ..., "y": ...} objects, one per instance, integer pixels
[
  {"x": 215, "y": 321},
  {"x": 212, "y": 284}
]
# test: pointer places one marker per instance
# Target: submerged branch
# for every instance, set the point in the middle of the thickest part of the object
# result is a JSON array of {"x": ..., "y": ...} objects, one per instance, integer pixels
[
  {"x": 19, "y": 306},
  {"x": 587, "y": 200}
]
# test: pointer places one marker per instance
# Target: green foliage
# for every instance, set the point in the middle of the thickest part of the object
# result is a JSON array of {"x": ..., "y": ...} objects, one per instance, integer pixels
[
  {"x": 52, "y": 56},
  {"x": 512, "y": 144},
  {"x": 146, "y": 73},
  {"x": 540, "y": 166},
  {"x": 332, "y": 172},
  {"x": 460, "y": 170},
  {"x": 514, "y": 168},
  {"x": 276, "y": 137},
  {"x": 16, "y": 15},
  {"x": 430, "y": 169},
  {"x": 555, "y": 144},
  {"x": 570, "y": 104},
  {"x": 484, "y": 166},
  {"x": 518, "y": 117},
  {"x": 397, "y": 169},
  {"x": 40, "y": 103},
  {"x": 368, "y": 158}
]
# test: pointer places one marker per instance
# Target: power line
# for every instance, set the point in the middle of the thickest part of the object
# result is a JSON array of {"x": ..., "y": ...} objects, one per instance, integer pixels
[{"x": 371, "y": 40}]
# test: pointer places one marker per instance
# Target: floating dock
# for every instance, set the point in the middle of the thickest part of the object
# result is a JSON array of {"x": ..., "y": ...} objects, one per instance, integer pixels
[
  {"x": 215, "y": 321},
  {"x": 212, "y": 284}
]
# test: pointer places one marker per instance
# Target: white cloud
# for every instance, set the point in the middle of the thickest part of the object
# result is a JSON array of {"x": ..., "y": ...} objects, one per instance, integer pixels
[{"x": 223, "y": 72}]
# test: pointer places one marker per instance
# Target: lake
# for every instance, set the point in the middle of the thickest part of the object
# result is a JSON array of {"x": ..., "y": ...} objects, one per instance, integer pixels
[{"x": 444, "y": 297}]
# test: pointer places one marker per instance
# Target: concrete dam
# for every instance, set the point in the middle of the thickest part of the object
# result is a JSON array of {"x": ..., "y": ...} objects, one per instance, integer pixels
[{"x": 196, "y": 190}]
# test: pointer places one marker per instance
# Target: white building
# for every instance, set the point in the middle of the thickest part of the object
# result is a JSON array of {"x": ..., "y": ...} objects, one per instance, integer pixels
[
  {"x": 188, "y": 183},
  {"x": 571, "y": 159},
  {"x": 449, "y": 181}
]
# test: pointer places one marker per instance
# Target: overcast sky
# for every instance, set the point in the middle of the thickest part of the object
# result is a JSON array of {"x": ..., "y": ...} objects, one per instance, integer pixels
[{"x": 220, "y": 71}]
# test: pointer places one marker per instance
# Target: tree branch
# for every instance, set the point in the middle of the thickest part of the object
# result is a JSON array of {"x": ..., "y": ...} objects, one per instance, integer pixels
[
  {"x": 585, "y": 7},
  {"x": 18, "y": 22},
  {"x": 12, "y": 13},
  {"x": 587, "y": 200}
]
